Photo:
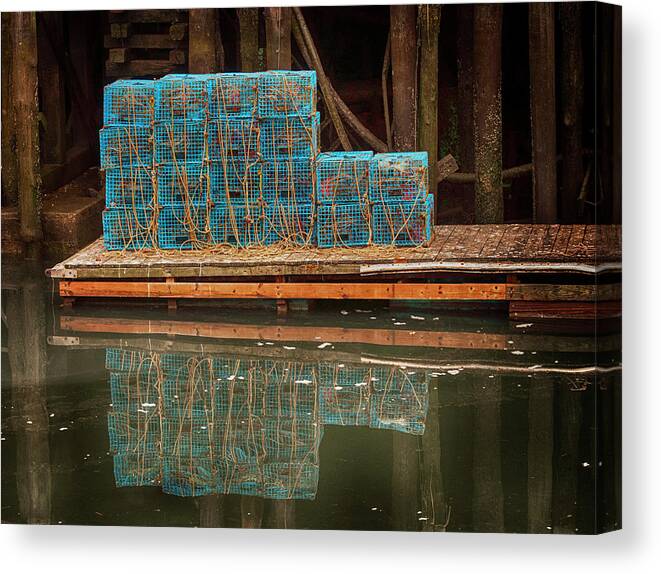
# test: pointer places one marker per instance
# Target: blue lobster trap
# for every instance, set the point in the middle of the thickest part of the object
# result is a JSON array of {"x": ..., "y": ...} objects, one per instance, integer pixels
[
  {"x": 133, "y": 433},
  {"x": 129, "y": 228},
  {"x": 137, "y": 469},
  {"x": 399, "y": 401},
  {"x": 288, "y": 182},
  {"x": 181, "y": 97},
  {"x": 403, "y": 223},
  {"x": 126, "y": 145},
  {"x": 235, "y": 138},
  {"x": 129, "y": 102},
  {"x": 398, "y": 176},
  {"x": 291, "y": 391},
  {"x": 134, "y": 392},
  {"x": 244, "y": 478},
  {"x": 238, "y": 225},
  {"x": 291, "y": 481},
  {"x": 291, "y": 223},
  {"x": 292, "y": 440},
  {"x": 129, "y": 361},
  {"x": 233, "y": 94},
  {"x": 344, "y": 393},
  {"x": 129, "y": 185},
  {"x": 343, "y": 225},
  {"x": 180, "y": 142},
  {"x": 189, "y": 476},
  {"x": 286, "y": 92},
  {"x": 234, "y": 181},
  {"x": 185, "y": 435},
  {"x": 343, "y": 177},
  {"x": 289, "y": 137},
  {"x": 181, "y": 184},
  {"x": 183, "y": 227}
]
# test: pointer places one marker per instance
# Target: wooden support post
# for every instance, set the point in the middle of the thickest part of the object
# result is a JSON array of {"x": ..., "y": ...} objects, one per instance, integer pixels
[
  {"x": 488, "y": 497},
  {"x": 487, "y": 113},
  {"x": 252, "y": 511},
  {"x": 172, "y": 303},
  {"x": 278, "y": 38},
  {"x": 403, "y": 44},
  {"x": 616, "y": 216},
  {"x": 465, "y": 87},
  {"x": 541, "y": 24},
  {"x": 540, "y": 456},
  {"x": 248, "y": 39},
  {"x": 429, "y": 22},
  {"x": 9, "y": 159},
  {"x": 283, "y": 514},
  {"x": 211, "y": 511},
  {"x": 404, "y": 480},
  {"x": 26, "y": 110},
  {"x": 571, "y": 100},
  {"x": 205, "y": 53},
  {"x": 51, "y": 82}
]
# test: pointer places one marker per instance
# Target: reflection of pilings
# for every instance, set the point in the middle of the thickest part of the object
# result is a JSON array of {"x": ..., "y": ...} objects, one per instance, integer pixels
[
  {"x": 211, "y": 511},
  {"x": 27, "y": 358},
  {"x": 540, "y": 456},
  {"x": 488, "y": 503},
  {"x": 252, "y": 511},
  {"x": 434, "y": 505},
  {"x": 608, "y": 469},
  {"x": 404, "y": 481},
  {"x": 283, "y": 514},
  {"x": 565, "y": 480}
]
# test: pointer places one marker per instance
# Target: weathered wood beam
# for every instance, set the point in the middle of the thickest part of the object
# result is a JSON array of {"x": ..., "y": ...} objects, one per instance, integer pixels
[
  {"x": 616, "y": 216},
  {"x": 211, "y": 511},
  {"x": 278, "y": 38},
  {"x": 466, "y": 155},
  {"x": 487, "y": 113},
  {"x": 205, "y": 53},
  {"x": 395, "y": 291},
  {"x": 248, "y": 38},
  {"x": 26, "y": 110},
  {"x": 403, "y": 42},
  {"x": 53, "y": 95},
  {"x": 541, "y": 28},
  {"x": 571, "y": 99},
  {"x": 429, "y": 23},
  {"x": 9, "y": 159}
]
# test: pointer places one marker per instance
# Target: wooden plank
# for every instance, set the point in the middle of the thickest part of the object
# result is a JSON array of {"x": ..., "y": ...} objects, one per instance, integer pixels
[
  {"x": 143, "y": 41},
  {"x": 194, "y": 290},
  {"x": 565, "y": 310},
  {"x": 141, "y": 68},
  {"x": 341, "y": 335},
  {"x": 147, "y": 16},
  {"x": 494, "y": 238},
  {"x": 544, "y": 292}
]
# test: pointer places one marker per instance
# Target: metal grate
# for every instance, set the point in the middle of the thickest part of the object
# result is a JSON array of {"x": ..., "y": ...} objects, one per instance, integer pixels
[
  {"x": 126, "y": 145},
  {"x": 180, "y": 142},
  {"x": 289, "y": 137},
  {"x": 283, "y": 92},
  {"x": 184, "y": 227},
  {"x": 403, "y": 223},
  {"x": 129, "y": 102},
  {"x": 236, "y": 138},
  {"x": 238, "y": 225},
  {"x": 398, "y": 176},
  {"x": 183, "y": 184},
  {"x": 129, "y": 185},
  {"x": 288, "y": 182},
  {"x": 235, "y": 181},
  {"x": 129, "y": 227},
  {"x": 233, "y": 94},
  {"x": 343, "y": 176},
  {"x": 181, "y": 97},
  {"x": 343, "y": 225}
]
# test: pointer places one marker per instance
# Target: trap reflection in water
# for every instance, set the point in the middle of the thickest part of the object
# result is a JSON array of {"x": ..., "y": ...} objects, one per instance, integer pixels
[{"x": 208, "y": 424}]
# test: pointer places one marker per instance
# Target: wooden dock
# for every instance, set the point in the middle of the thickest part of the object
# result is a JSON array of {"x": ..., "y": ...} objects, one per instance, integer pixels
[{"x": 540, "y": 270}]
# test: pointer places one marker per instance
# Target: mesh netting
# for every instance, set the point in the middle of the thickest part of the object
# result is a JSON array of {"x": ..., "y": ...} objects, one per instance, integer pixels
[
  {"x": 180, "y": 142},
  {"x": 130, "y": 227},
  {"x": 398, "y": 177},
  {"x": 129, "y": 185},
  {"x": 126, "y": 145},
  {"x": 283, "y": 93},
  {"x": 128, "y": 102},
  {"x": 181, "y": 97},
  {"x": 234, "y": 181},
  {"x": 343, "y": 225},
  {"x": 289, "y": 138},
  {"x": 343, "y": 177},
  {"x": 182, "y": 184},
  {"x": 403, "y": 223},
  {"x": 233, "y": 94}
]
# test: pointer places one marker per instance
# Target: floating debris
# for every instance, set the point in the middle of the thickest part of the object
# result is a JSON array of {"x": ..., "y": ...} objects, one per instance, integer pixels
[
  {"x": 523, "y": 325},
  {"x": 64, "y": 428},
  {"x": 417, "y": 318},
  {"x": 517, "y": 352},
  {"x": 453, "y": 372},
  {"x": 343, "y": 312},
  {"x": 323, "y": 345},
  {"x": 399, "y": 323},
  {"x": 288, "y": 347}
]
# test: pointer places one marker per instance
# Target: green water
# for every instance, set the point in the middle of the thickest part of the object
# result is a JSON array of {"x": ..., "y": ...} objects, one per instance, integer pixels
[{"x": 498, "y": 427}]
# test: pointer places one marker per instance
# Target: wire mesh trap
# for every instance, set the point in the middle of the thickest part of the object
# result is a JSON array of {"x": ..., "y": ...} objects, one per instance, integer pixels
[
  {"x": 403, "y": 223},
  {"x": 129, "y": 102},
  {"x": 343, "y": 177}
]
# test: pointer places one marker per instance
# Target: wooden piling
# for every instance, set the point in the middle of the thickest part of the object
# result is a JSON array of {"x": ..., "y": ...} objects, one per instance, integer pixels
[
  {"x": 429, "y": 23},
  {"x": 404, "y": 481},
  {"x": 283, "y": 514},
  {"x": 487, "y": 113},
  {"x": 211, "y": 511},
  {"x": 404, "y": 74},
  {"x": 205, "y": 53},
  {"x": 278, "y": 38},
  {"x": 465, "y": 87},
  {"x": 252, "y": 511},
  {"x": 541, "y": 29},
  {"x": 26, "y": 111},
  {"x": 248, "y": 39},
  {"x": 616, "y": 216},
  {"x": 571, "y": 100},
  {"x": 9, "y": 164}
]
